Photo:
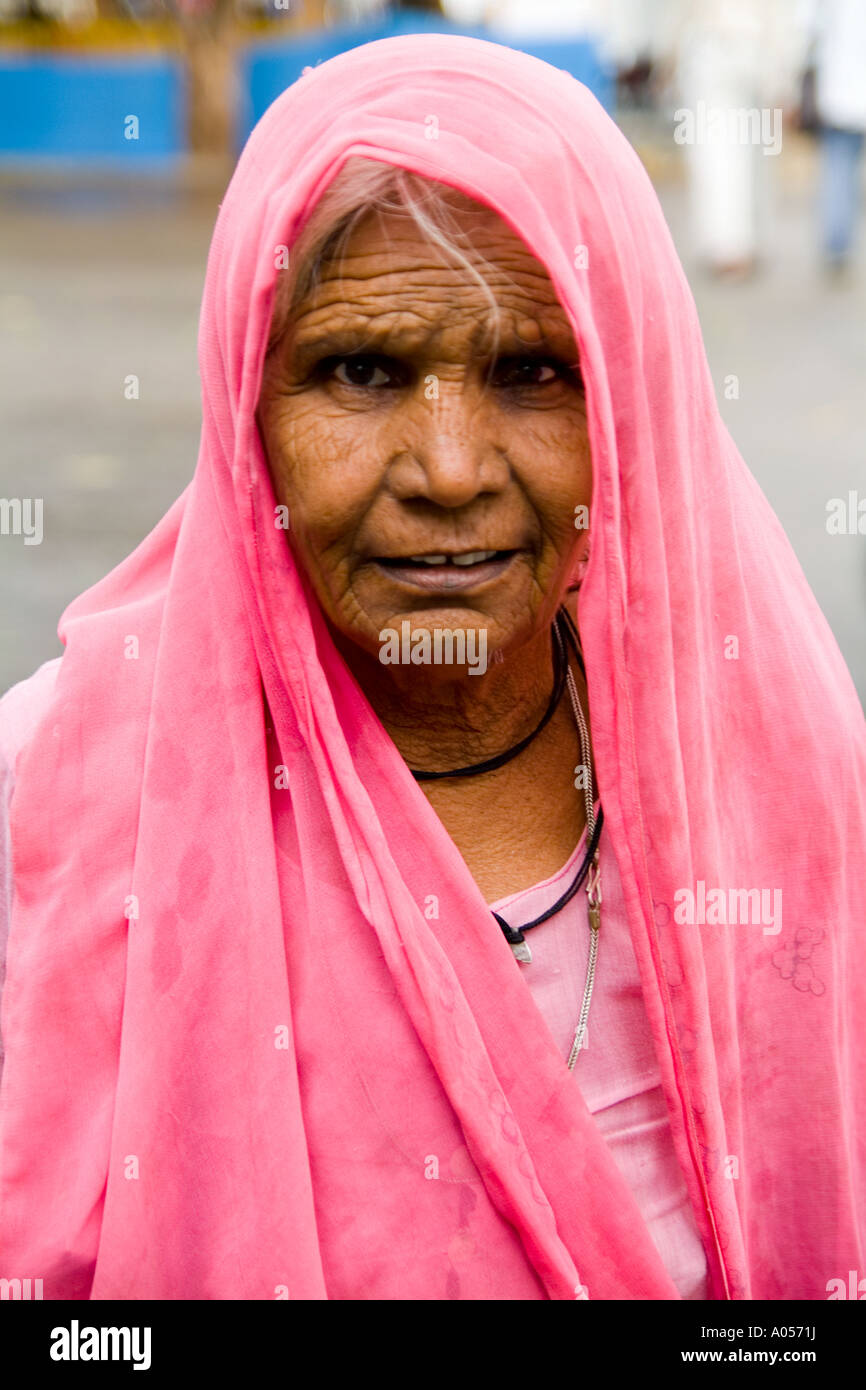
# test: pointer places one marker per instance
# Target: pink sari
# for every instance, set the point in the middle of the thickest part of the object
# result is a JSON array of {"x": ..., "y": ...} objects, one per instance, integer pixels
[{"x": 242, "y": 1058}]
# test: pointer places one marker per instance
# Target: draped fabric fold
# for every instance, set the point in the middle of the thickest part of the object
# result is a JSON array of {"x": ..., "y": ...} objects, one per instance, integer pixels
[{"x": 243, "y": 1057}]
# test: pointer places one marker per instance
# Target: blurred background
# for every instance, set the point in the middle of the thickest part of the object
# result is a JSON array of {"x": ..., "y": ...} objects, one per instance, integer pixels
[{"x": 121, "y": 121}]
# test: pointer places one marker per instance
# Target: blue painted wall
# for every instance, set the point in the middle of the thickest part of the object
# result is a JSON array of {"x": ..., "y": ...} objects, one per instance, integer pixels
[{"x": 60, "y": 107}]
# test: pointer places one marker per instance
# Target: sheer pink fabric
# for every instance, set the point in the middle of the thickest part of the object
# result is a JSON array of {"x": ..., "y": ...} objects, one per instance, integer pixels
[{"x": 243, "y": 1057}]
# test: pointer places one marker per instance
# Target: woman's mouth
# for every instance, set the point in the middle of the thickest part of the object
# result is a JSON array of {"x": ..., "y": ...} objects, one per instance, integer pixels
[{"x": 446, "y": 573}]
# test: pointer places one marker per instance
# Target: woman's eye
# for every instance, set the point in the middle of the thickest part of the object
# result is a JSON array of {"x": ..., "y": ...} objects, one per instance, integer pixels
[
  {"x": 527, "y": 371},
  {"x": 361, "y": 371}
]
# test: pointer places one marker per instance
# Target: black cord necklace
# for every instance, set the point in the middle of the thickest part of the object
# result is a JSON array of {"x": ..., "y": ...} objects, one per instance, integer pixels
[
  {"x": 564, "y": 634},
  {"x": 515, "y": 935},
  {"x": 560, "y": 666}
]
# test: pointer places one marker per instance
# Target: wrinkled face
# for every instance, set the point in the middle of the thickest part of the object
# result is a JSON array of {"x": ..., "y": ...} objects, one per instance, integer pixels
[{"x": 427, "y": 478}]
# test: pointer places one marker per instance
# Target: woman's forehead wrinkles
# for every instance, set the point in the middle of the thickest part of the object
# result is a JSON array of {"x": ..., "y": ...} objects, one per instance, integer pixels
[
  {"x": 453, "y": 333},
  {"x": 509, "y": 270}
]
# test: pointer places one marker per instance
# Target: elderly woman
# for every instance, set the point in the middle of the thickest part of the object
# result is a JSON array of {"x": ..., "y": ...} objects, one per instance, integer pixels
[{"x": 328, "y": 975}]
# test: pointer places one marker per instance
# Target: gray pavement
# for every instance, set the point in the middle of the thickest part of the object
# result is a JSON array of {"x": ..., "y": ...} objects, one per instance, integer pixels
[{"x": 99, "y": 280}]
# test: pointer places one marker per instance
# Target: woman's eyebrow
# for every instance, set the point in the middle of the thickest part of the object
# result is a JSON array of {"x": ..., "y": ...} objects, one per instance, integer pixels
[
  {"x": 315, "y": 344},
  {"x": 390, "y": 340}
]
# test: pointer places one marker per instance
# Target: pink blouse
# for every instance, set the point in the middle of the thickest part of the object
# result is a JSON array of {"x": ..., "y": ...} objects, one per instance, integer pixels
[{"x": 616, "y": 1070}]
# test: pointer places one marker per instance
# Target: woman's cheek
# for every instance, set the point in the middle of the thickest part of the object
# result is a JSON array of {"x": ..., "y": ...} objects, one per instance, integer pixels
[
  {"x": 551, "y": 453},
  {"x": 329, "y": 480},
  {"x": 307, "y": 457}
]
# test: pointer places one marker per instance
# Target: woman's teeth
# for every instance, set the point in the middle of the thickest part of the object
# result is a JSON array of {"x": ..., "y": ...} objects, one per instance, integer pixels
[{"x": 469, "y": 557}]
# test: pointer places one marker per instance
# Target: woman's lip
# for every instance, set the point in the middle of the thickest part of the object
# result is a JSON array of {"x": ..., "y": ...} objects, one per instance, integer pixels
[{"x": 447, "y": 579}]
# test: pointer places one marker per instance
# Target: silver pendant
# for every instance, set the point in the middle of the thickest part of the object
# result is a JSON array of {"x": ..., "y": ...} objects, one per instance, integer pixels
[{"x": 521, "y": 951}]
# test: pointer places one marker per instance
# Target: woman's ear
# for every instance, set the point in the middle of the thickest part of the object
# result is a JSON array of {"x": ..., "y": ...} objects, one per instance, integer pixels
[{"x": 580, "y": 568}]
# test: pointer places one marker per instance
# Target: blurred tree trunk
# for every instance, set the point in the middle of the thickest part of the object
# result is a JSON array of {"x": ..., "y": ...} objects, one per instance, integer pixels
[
  {"x": 210, "y": 39},
  {"x": 209, "y": 45}
]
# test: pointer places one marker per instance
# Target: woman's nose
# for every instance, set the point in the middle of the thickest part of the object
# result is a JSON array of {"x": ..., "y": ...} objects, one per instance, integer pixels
[{"x": 450, "y": 456}]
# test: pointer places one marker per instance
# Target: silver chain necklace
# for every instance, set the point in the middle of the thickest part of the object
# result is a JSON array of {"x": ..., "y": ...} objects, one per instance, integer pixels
[
  {"x": 519, "y": 946},
  {"x": 593, "y": 878}
]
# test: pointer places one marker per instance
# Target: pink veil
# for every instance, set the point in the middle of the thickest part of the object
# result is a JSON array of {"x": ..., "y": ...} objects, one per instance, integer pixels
[{"x": 243, "y": 1057}]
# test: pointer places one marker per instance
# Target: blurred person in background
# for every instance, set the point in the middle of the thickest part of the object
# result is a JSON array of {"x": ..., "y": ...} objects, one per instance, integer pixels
[
  {"x": 354, "y": 11},
  {"x": 622, "y": 32},
  {"x": 74, "y": 13},
  {"x": 732, "y": 56},
  {"x": 837, "y": 30},
  {"x": 432, "y": 7}
]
